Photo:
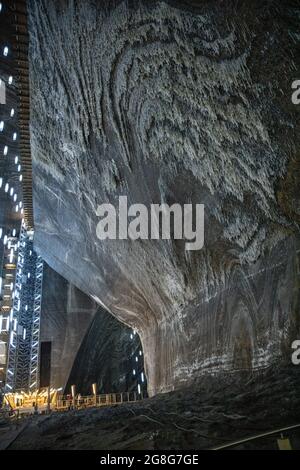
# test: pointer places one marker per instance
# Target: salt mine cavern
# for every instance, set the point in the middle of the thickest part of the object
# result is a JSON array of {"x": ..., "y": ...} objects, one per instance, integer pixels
[{"x": 149, "y": 225}]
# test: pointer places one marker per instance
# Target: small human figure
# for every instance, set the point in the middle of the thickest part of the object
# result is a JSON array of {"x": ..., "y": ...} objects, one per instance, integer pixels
[{"x": 35, "y": 408}]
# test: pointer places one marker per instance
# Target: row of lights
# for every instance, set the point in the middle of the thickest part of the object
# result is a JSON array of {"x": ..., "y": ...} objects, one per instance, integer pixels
[
  {"x": 8, "y": 324},
  {"x": 11, "y": 191},
  {"x": 12, "y": 246},
  {"x": 136, "y": 359},
  {"x": 16, "y": 294},
  {"x": 26, "y": 299},
  {"x": 7, "y": 189}
]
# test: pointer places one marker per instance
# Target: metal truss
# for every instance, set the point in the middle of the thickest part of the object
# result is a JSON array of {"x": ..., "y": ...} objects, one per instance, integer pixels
[
  {"x": 23, "y": 349},
  {"x": 36, "y": 315}
]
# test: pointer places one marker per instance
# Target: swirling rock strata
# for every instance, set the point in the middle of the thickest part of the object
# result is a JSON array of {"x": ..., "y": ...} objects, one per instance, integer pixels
[{"x": 172, "y": 102}]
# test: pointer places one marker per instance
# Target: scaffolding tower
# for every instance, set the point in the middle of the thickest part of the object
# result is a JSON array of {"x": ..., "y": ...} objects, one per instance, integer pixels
[{"x": 23, "y": 349}]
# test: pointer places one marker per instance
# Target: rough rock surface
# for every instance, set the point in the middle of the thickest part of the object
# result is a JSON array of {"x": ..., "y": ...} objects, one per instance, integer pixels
[
  {"x": 215, "y": 413},
  {"x": 88, "y": 344},
  {"x": 107, "y": 356},
  {"x": 167, "y": 101},
  {"x": 66, "y": 315}
]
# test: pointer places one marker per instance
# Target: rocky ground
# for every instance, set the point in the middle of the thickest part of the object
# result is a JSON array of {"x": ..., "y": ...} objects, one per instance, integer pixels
[{"x": 200, "y": 417}]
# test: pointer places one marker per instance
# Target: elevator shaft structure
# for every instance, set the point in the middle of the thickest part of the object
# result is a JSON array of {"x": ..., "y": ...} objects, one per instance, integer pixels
[{"x": 23, "y": 349}]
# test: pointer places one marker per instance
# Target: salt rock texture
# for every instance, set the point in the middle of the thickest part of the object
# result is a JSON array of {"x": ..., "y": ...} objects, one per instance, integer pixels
[
  {"x": 66, "y": 315},
  {"x": 107, "y": 357},
  {"x": 88, "y": 344},
  {"x": 167, "y": 101}
]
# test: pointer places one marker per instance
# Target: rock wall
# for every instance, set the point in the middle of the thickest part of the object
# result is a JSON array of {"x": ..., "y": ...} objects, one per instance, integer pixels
[
  {"x": 168, "y": 101},
  {"x": 107, "y": 356},
  {"x": 66, "y": 315},
  {"x": 88, "y": 344}
]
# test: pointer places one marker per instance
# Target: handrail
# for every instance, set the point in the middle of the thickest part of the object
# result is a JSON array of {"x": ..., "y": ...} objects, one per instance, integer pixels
[
  {"x": 104, "y": 399},
  {"x": 61, "y": 403},
  {"x": 253, "y": 438}
]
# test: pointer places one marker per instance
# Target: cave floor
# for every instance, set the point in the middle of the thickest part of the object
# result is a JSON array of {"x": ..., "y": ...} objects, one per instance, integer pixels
[{"x": 206, "y": 415}]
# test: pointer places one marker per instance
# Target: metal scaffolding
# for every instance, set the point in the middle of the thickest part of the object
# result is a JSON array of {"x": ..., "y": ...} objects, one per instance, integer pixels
[
  {"x": 21, "y": 279},
  {"x": 23, "y": 348}
]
